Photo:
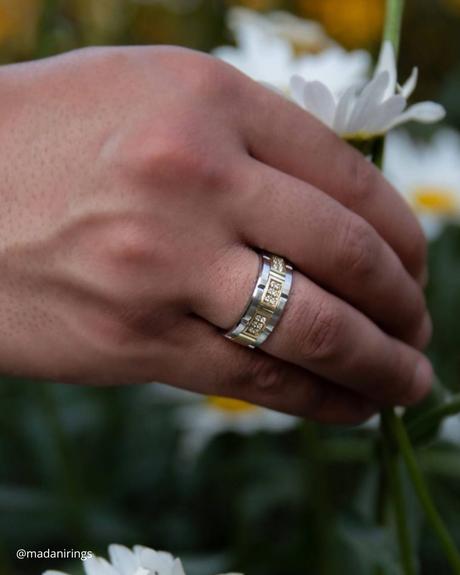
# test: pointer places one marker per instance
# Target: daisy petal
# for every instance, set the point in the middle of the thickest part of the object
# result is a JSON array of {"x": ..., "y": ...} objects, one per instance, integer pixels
[
  {"x": 368, "y": 101},
  {"x": 385, "y": 114},
  {"x": 98, "y": 566},
  {"x": 296, "y": 88},
  {"x": 344, "y": 108},
  {"x": 387, "y": 63},
  {"x": 425, "y": 113},
  {"x": 123, "y": 559},
  {"x": 159, "y": 561},
  {"x": 178, "y": 569},
  {"x": 408, "y": 87},
  {"x": 375, "y": 89},
  {"x": 318, "y": 100}
]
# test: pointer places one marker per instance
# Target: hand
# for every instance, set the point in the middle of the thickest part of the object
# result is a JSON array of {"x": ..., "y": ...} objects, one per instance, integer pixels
[{"x": 136, "y": 184}]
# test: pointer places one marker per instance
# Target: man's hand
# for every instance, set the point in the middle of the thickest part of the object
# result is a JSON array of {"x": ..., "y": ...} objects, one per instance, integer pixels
[{"x": 136, "y": 186}]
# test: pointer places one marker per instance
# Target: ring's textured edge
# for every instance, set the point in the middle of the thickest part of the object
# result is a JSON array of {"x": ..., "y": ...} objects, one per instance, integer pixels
[{"x": 266, "y": 304}]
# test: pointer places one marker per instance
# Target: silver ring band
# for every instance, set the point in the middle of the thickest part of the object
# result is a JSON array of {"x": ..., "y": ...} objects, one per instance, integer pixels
[{"x": 266, "y": 304}]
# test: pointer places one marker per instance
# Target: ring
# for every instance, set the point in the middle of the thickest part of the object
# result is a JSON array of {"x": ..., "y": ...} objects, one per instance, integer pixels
[{"x": 266, "y": 304}]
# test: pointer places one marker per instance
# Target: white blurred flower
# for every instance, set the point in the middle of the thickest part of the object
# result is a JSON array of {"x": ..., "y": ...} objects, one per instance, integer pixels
[
  {"x": 266, "y": 52},
  {"x": 260, "y": 55},
  {"x": 335, "y": 68},
  {"x": 303, "y": 35},
  {"x": 428, "y": 176},
  {"x": 138, "y": 561},
  {"x": 363, "y": 112},
  {"x": 207, "y": 417},
  {"x": 450, "y": 430}
]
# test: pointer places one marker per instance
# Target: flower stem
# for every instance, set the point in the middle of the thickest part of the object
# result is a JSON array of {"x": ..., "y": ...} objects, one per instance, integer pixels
[
  {"x": 399, "y": 434},
  {"x": 393, "y": 23},
  {"x": 390, "y": 478},
  {"x": 391, "y": 462},
  {"x": 322, "y": 509}
]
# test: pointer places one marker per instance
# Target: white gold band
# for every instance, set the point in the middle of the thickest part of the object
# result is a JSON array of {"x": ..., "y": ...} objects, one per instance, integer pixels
[{"x": 266, "y": 304}]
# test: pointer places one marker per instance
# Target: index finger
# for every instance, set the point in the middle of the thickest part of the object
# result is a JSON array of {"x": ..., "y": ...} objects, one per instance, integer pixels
[{"x": 282, "y": 135}]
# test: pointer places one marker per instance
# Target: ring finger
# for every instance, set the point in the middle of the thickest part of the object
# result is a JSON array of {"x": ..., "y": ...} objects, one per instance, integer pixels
[{"x": 320, "y": 333}]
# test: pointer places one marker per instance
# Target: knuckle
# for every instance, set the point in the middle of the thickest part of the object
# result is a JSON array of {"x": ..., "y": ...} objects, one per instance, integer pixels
[
  {"x": 319, "y": 331},
  {"x": 128, "y": 245},
  {"x": 267, "y": 377},
  {"x": 358, "y": 249},
  {"x": 209, "y": 79},
  {"x": 363, "y": 180},
  {"x": 126, "y": 249},
  {"x": 179, "y": 155}
]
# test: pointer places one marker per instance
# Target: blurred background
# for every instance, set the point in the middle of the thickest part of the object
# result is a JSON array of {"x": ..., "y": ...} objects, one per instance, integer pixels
[{"x": 222, "y": 484}]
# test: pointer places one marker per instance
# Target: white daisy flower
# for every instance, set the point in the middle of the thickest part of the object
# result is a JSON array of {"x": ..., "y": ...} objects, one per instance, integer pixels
[
  {"x": 363, "y": 112},
  {"x": 428, "y": 176},
  {"x": 207, "y": 417},
  {"x": 265, "y": 53},
  {"x": 138, "y": 561}
]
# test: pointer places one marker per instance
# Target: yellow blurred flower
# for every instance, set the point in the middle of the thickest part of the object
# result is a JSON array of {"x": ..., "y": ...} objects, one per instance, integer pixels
[
  {"x": 428, "y": 176},
  {"x": 207, "y": 417},
  {"x": 229, "y": 405},
  {"x": 452, "y": 5},
  {"x": 435, "y": 200},
  {"x": 19, "y": 20},
  {"x": 6, "y": 23},
  {"x": 354, "y": 23}
]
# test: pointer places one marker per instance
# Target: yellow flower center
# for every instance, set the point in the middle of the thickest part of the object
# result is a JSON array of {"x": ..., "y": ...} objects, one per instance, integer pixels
[
  {"x": 433, "y": 200},
  {"x": 228, "y": 405}
]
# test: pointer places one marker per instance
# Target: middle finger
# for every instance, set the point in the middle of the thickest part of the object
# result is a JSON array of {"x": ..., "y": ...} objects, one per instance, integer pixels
[{"x": 333, "y": 246}]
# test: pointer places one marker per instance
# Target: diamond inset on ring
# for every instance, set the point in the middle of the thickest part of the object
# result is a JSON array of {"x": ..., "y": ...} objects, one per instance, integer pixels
[
  {"x": 273, "y": 293},
  {"x": 278, "y": 265},
  {"x": 257, "y": 325}
]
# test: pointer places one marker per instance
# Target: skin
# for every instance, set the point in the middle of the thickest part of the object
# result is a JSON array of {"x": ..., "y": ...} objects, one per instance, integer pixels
[{"x": 136, "y": 185}]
